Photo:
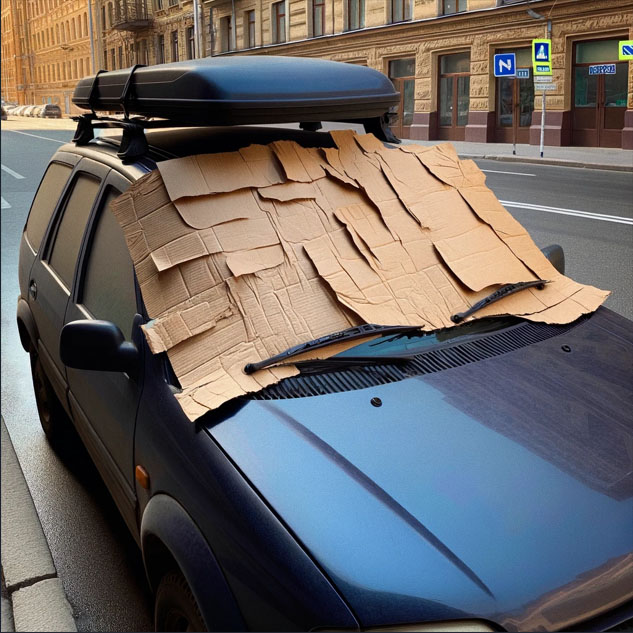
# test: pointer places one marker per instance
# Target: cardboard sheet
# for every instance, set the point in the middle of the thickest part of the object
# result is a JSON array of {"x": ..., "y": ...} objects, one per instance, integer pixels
[{"x": 242, "y": 255}]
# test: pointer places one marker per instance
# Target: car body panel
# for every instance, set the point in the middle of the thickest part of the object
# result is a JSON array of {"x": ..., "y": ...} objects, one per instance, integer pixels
[{"x": 471, "y": 490}]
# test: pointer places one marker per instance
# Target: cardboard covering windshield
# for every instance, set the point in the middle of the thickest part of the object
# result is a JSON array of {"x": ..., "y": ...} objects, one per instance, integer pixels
[{"x": 242, "y": 255}]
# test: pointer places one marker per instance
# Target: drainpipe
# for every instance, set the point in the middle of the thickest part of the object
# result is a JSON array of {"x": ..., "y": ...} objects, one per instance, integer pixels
[
  {"x": 233, "y": 27},
  {"x": 92, "y": 38},
  {"x": 196, "y": 29}
]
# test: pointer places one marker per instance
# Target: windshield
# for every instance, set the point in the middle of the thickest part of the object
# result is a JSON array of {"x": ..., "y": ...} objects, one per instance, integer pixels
[{"x": 417, "y": 342}]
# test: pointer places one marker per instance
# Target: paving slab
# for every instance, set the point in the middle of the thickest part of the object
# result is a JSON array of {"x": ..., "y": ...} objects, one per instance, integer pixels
[
  {"x": 25, "y": 553},
  {"x": 42, "y": 607}
]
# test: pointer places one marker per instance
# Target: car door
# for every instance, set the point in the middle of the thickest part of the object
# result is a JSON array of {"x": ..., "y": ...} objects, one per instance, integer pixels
[
  {"x": 104, "y": 404},
  {"x": 52, "y": 274}
]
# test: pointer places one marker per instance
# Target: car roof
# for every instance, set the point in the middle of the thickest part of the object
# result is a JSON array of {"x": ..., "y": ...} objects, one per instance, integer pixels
[{"x": 168, "y": 143}]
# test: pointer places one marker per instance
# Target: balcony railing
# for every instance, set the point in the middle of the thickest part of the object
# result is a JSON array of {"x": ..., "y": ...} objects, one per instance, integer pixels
[{"x": 131, "y": 15}]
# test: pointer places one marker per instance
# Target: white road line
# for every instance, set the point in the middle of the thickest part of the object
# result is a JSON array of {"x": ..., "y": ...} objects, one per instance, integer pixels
[
  {"x": 512, "y": 173},
  {"x": 5, "y": 204},
  {"x": 13, "y": 173},
  {"x": 579, "y": 214},
  {"x": 38, "y": 136}
]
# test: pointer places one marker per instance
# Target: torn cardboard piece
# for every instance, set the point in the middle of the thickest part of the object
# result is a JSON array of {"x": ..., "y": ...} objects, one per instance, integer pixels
[{"x": 242, "y": 255}]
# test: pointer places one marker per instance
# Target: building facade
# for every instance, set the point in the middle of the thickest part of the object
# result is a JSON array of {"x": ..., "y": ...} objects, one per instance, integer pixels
[
  {"x": 439, "y": 53},
  {"x": 45, "y": 50}
]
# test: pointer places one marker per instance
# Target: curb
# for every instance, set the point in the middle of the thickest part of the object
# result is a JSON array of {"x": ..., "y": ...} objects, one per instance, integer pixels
[
  {"x": 560, "y": 162},
  {"x": 34, "y": 592}
]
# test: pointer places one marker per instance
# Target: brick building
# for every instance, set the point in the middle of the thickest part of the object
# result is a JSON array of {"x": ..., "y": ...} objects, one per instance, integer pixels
[{"x": 439, "y": 53}]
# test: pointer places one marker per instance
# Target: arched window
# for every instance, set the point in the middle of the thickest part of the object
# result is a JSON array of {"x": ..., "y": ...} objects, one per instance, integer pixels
[
  {"x": 57, "y": 32},
  {"x": 86, "y": 25},
  {"x": 73, "y": 30}
]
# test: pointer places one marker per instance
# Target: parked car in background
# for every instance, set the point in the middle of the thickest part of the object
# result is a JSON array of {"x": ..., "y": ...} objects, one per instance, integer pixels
[
  {"x": 487, "y": 487},
  {"x": 35, "y": 112},
  {"x": 50, "y": 111},
  {"x": 28, "y": 111},
  {"x": 4, "y": 114}
]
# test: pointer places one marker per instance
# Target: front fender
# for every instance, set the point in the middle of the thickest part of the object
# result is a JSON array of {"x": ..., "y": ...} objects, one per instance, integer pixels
[{"x": 169, "y": 535}]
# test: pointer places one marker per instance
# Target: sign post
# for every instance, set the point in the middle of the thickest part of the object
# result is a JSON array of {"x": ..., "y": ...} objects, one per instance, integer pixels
[
  {"x": 505, "y": 65},
  {"x": 542, "y": 65}
]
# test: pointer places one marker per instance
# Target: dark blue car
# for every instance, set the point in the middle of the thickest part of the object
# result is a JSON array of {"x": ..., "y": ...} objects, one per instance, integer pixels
[{"x": 486, "y": 485}]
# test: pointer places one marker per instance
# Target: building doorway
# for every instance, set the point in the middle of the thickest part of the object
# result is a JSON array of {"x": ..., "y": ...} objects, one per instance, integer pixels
[
  {"x": 453, "y": 96},
  {"x": 599, "y": 100},
  {"x": 515, "y": 101},
  {"x": 402, "y": 75}
]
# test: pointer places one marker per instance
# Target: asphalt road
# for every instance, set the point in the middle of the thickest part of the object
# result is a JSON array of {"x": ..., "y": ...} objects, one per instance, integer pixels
[{"x": 96, "y": 558}]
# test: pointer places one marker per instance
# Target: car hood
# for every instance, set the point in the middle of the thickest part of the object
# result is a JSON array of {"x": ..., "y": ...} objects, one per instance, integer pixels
[{"x": 501, "y": 489}]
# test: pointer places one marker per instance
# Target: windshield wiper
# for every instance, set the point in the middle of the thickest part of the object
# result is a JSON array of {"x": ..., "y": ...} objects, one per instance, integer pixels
[
  {"x": 359, "y": 331},
  {"x": 502, "y": 292}
]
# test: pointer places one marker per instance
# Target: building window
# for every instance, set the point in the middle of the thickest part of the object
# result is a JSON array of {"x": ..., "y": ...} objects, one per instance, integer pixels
[
  {"x": 279, "y": 22},
  {"x": 158, "y": 4},
  {"x": 400, "y": 10},
  {"x": 174, "y": 46},
  {"x": 160, "y": 49},
  {"x": 191, "y": 47},
  {"x": 173, "y": 3},
  {"x": 355, "y": 14},
  {"x": 318, "y": 17},
  {"x": 226, "y": 35},
  {"x": 454, "y": 6},
  {"x": 113, "y": 59},
  {"x": 120, "y": 56},
  {"x": 250, "y": 29}
]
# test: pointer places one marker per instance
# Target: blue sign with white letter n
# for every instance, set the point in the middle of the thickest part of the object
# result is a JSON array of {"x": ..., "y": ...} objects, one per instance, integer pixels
[{"x": 505, "y": 65}]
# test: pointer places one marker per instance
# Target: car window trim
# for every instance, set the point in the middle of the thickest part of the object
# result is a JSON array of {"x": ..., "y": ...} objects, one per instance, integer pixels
[
  {"x": 62, "y": 158},
  {"x": 83, "y": 167},
  {"x": 114, "y": 179}
]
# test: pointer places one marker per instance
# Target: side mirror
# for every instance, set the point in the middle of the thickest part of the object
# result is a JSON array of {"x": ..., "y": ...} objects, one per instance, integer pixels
[
  {"x": 98, "y": 346},
  {"x": 556, "y": 256}
]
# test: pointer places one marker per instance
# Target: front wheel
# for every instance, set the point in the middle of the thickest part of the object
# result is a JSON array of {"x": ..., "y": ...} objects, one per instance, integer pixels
[
  {"x": 53, "y": 417},
  {"x": 176, "y": 608}
]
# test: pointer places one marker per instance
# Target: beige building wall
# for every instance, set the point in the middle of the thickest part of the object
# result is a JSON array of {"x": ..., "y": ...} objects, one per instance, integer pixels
[{"x": 487, "y": 27}]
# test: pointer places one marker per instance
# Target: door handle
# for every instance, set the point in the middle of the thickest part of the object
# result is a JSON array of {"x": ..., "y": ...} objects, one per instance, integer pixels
[{"x": 33, "y": 289}]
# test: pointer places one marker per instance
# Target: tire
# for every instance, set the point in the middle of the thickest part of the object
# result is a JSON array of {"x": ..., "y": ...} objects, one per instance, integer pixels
[
  {"x": 54, "y": 420},
  {"x": 176, "y": 608}
]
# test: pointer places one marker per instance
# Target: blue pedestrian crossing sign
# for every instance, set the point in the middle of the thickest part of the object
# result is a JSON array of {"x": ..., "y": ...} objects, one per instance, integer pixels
[
  {"x": 542, "y": 57},
  {"x": 625, "y": 50},
  {"x": 505, "y": 65}
]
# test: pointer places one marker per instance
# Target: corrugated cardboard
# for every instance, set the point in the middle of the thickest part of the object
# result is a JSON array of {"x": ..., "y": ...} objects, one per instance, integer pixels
[{"x": 242, "y": 255}]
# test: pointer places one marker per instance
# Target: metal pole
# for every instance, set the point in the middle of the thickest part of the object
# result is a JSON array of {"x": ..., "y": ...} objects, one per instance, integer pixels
[
  {"x": 542, "y": 121},
  {"x": 92, "y": 38}
]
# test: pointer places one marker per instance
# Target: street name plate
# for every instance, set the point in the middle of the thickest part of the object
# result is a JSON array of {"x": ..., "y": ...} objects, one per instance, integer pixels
[
  {"x": 543, "y": 79},
  {"x": 546, "y": 87}
]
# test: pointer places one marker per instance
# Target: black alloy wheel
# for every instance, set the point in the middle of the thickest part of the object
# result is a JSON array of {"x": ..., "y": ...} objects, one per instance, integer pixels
[{"x": 176, "y": 608}]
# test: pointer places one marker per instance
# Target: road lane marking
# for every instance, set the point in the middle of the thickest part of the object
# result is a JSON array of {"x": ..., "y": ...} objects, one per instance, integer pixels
[
  {"x": 5, "y": 204},
  {"x": 579, "y": 214},
  {"x": 512, "y": 173},
  {"x": 46, "y": 138},
  {"x": 12, "y": 173}
]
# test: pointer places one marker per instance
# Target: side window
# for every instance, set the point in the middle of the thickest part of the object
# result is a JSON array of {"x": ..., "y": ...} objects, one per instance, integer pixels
[
  {"x": 108, "y": 284},
  {"x": 45, "y": 201},
  {"x": 71, "y": 228}
]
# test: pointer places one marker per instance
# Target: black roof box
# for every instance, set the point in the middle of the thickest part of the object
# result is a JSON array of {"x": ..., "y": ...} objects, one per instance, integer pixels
[{"x": 243, "y": 89}]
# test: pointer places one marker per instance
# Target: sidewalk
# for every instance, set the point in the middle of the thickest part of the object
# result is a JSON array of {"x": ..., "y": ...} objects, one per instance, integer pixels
[
  {"x": 587, "y": 157},
  {"x": 33, "y": 598}
]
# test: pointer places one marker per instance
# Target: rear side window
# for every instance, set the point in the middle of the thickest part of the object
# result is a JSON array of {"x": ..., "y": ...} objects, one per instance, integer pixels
[
  {"x": 71, "y": 228},
  {"x": 45, "y": 201},
  {"x": 108, "y": 286}
]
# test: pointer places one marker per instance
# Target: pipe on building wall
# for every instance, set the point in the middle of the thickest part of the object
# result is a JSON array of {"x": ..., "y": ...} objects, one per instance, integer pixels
[
  {"x": 196, "y": 29},
  {"x": 93, "y": 61}
]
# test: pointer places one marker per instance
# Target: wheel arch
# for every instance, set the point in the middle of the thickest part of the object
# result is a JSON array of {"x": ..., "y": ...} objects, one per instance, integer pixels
[
  {"x": 170, "y": 539},
  {"x": 26, "y": 326}
]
